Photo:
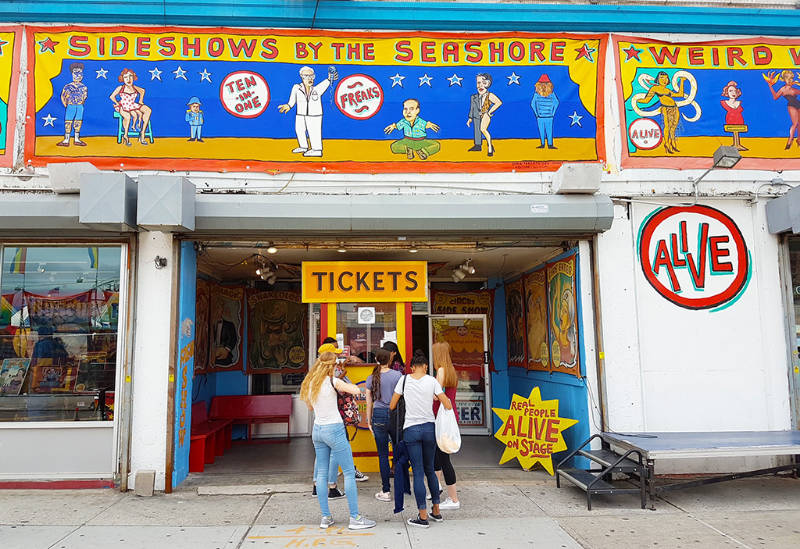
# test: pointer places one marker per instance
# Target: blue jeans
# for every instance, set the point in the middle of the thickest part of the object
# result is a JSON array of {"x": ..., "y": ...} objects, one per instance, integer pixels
[
  {"x": 421, "y": 443},
  {"x": 380, "y": 428},
  {"x": 333, "y": 470},
  {"x": 330, "y": 441}
]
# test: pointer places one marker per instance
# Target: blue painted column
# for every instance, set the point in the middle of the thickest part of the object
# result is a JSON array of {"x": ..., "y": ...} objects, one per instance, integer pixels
[{"x": 187, "y": 288}]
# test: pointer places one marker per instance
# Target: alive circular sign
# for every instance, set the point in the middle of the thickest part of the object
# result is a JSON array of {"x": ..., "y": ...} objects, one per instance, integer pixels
[
  {"x": 694, "y": 256},
  {"x": 359, "y": 96},
  {"x": 645, "y": 133}
]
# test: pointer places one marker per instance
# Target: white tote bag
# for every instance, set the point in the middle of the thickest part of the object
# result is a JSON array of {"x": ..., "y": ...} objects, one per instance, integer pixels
[{"x": 448, "y": 437}]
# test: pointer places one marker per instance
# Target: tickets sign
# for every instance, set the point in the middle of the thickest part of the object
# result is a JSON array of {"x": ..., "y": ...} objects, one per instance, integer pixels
[
  {"x": 364, "y": 281},
  {"x": 531, "y": 430}
]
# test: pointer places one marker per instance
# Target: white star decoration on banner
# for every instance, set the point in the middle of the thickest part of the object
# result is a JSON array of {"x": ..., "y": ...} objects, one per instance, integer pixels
[
  {"x": 155, "y": 74},
  {"x": 397, "y": 80},
  {"x": 102, "y": 73},
  {"x": 513, "y": 79},
  {"x": 425, "y": 80},
  {"x": 179, "y": 73},
  {"x": 575, "y": 118},
  {"x": 205, "y": 75},
  {"x": 48, "y": 120},
  {"x": 455, "y": 80}
]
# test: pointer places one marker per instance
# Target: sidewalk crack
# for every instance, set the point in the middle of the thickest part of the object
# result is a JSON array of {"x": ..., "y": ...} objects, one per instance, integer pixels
[
  {"x": 253, "y": 522},
  {"x": 87, "y": 521}
]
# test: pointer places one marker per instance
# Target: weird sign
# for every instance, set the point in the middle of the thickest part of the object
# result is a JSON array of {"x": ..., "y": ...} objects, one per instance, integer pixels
[
  {"x": 531, "y": 430},
  {"x": 680, "y": 101},
  {"x": 364, "y": 281},
  {"x": 694, "y": 256},
  {"x": 307, "y": 101}
]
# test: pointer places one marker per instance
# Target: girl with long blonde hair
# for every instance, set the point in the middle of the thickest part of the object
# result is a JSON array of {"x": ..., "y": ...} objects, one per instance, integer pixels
[
  {"x": 448, "y": 378},
  {"x": 318, "y": 391}
]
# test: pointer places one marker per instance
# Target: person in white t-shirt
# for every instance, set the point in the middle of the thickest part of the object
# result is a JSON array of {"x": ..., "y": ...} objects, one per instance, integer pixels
[
  {"x": 419, "y": 433},
  {"x": 318, "y": 391}
]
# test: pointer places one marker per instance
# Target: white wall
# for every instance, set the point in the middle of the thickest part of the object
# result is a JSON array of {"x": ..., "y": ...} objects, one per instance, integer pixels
[{"x": 152, "y": 328}]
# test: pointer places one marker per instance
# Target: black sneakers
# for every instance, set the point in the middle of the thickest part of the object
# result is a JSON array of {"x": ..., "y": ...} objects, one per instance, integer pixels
[
  {"x": 435, "y": 518},
  {"x": 418, "y": 522},
  {"x": 334, "y": 493}
]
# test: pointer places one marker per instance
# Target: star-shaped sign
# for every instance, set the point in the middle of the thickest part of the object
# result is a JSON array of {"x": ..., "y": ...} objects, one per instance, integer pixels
[
  {"x": 179, "y": 73},
  {"x": 397, "y": 80},
  {"x": 48, "y": 44},
  {"x": 205, "y": 75},
  {"x": 455, "y": 80},
  {"x": 585, "y": 51},
  {"x": 102, "y": 73},
  {"x": 2, "y": 43},
  {"x": 155, "y": 74},
  {"x": 632, "y": 53},
  {"x": 425, "y": 79},
  {"x": 531, "y": 430},
  {"x": 48, "y": 120},
  {"x": 575, "y": 118},
  {"x": 513, "y": 79}
]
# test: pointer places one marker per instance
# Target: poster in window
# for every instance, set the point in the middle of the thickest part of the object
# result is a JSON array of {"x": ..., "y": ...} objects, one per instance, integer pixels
[
  {"x": 201, "y": 341},
  {"x": 277, "y": 324},
  {"x": 563, "y": 307},
  {"x": 226, "y": 323},
  {"x": 515, "y": 323},
  {"x": 536, "y": 320},
  {"x": 53, "y": 378},
  {"x": 12, "y": 375},
  {"x": 478, "y": 302}
]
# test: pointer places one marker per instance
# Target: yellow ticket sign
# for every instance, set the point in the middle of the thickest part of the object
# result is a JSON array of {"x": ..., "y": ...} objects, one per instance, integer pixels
[
  {"x": 532, "y": 430},
  {"x": 364, "y": 281}
]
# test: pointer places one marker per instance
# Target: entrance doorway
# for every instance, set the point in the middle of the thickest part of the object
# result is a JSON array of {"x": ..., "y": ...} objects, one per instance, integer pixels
[{"x": 468, "y": 339}]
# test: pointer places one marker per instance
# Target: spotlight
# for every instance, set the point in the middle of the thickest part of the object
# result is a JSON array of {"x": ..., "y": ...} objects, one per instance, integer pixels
[
  {"x": 259, "y": 272},
  {"x": 272, "y": 249},
  {"x": 467, "y": 267},
  {"x": 272, "y": 278},
  {"x": 458, "y": 275},
  {"x": 412, "y": 250},
  {"x": 341, "y": 249}
]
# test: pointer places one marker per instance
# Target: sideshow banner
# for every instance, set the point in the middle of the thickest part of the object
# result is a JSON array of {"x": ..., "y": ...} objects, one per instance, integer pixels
[
  {"x": 74, "y": 313},
  {"x": 277, "y": 327},
  {"x": 233, "y": 99},
  {"x": 226, "y": 323},
  {"x": 681, "y": 101},
  {"x": 531, "y": 430},
  {"x": 563, "y": 308},
  {"x": 536, "y": 320},
  {"x": 515, "y": 324},
  {"x": 201, "y": 339},
  {"x": 478, "y": 302},
  {"x": 12, "y": 375},
  {"x": 9, "y": 78}
]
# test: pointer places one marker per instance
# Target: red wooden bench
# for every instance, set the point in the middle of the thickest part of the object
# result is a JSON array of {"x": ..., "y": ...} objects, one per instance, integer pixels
[
  {"x": 209, "y": 438},
  {"x": 251, "y": 409}
]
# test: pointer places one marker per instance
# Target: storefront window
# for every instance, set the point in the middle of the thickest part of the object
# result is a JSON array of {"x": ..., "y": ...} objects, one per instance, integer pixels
[
  {"x": 59, "y": 317},
  {"x": 364, "y": 327}
]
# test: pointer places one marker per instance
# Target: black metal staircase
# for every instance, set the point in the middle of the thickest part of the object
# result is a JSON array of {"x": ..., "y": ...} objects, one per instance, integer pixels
[{"x": 604, "y": 463}]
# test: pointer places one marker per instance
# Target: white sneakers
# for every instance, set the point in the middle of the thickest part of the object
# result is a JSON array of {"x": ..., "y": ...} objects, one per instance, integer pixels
[
  {"x": 326, "y": 522},
  {"x": 449, "y": 504},
  {"x": 299, "y": 150},
  {"x": 383, "y": 496},
  {"x": 360, "y": 523}
]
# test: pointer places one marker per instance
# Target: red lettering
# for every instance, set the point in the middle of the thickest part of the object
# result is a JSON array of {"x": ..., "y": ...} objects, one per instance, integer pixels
[
  {"x": 250, "y": 81},
  {"x": 762, "y": 55},
  {"x": 216, "y": 46},
  {"x": 193, "y": 46},
  {"x": 552, "y": 430},
  {"x": 536, "y": 51},
  {"x": 270, "y": 50},
  {"x": 698, "y": 270},
  {"x": 735, "y": 54},
  {"x": 795, "y": 56},
  {"x": 509, "y": 427},
  {"x": 166, "y": 46},
  {"x": 664, "y": 53},
  {"x": 300, "y": 51},
  {"x": 248, "y": 46},
  {"x": 715, "y": 57},
  {"x": 79, "y": 46},
  {"x": 427, "y": 54},
  {"x": 496, "y": 53},
  {"x": 315, "y": 46},
  {"x": 662, "y": 260},
  {"x": 369, "y": 51},
  {"x": 516, "y": 51},
  {"x": 474, "y": 53},
  {"x": 716, "y": 252},
  {"x": 403, "y": 49},
  {"x": 142, "y": 46},
  {"x": 676, "y": 261},
  {"x": 119, "y": 45},
  {"x": 450, "y": 52},
  {"x": 557, "y": 51},
  {"x": 695, "y": 55}
]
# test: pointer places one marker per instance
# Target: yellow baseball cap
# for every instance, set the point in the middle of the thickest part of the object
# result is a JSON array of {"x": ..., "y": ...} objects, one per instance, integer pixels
[{"x": 328, "y": 348}]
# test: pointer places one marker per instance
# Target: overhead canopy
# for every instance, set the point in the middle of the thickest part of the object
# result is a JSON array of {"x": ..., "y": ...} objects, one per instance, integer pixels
[
  {"x": 783, "y": 213},
  {"x": 431, "y": 216}
]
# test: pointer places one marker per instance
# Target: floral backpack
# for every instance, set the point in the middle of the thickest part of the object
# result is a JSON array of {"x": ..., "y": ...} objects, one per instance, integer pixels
[{"x": 348, "y": 408}]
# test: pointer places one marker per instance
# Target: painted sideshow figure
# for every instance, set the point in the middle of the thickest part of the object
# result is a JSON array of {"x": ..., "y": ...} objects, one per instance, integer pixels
[
  {"x": 415, "y": 136},
  {"x": 128, "y": 101},
  {"x": 194, "y": 117},
  {"x": 544, "y": 105},
  {"x": 788, "y": 91},
  {"x": 482, "y": 106},
  {"x": 307, "y": 97},
  {"x": 73, "y": 96}
]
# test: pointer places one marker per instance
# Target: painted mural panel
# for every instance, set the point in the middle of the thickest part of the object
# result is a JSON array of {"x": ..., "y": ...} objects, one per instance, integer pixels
[
  {"x": 226, "y": 324},
  {"x": 202, "y": 343},
  {"x": 680, "y": 101},
  {"x": 563, "y": 307},
  {"x": 235, "y": 99},
  {"x": 9, "y": 78},
  {"x": 276, "y": 341},
  {"x": 694, "y": 256},
  {"x": 536, "y": 320},
  {"x": 515, "y": 324}
]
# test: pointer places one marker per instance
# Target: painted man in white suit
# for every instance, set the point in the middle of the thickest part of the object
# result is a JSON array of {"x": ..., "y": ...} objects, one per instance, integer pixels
[{"x": 308, "y": 120}]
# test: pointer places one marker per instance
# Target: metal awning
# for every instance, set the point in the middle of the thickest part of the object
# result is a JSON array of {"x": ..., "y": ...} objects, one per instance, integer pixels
[
  {"x": 433, "y": 216},
  {"x": 783, "y": 213}
]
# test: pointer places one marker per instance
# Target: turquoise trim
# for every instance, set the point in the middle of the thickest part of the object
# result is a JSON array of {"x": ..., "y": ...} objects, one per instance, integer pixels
[{"x": 453, "y": 16}]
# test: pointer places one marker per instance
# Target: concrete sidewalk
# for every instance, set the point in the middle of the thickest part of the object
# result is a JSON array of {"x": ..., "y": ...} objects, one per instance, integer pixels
[{"x": 526, "y": 510}]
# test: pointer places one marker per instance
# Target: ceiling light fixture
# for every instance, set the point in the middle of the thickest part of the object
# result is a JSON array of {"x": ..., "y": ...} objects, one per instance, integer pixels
[
  {"x": 341, "y": 249},
  {"x": 272, "y": 249},
  {"x": 413, "y": 250}
]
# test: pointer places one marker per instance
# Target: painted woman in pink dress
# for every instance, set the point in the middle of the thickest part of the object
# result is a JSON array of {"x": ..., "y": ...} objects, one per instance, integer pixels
[
  {"x": 129, "y": 108},
  {"x": 790, "y": 93},
  {"x": 733, "y": 111}
]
